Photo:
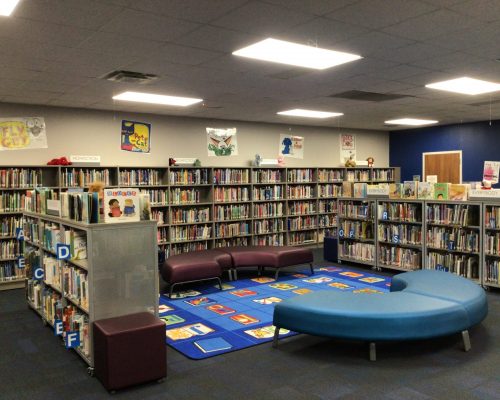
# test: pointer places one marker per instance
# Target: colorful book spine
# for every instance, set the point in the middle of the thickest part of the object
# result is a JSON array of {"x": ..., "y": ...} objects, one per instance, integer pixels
[
  {"x": 228, "y": 176},
  {"x": 267, "y": 176}
]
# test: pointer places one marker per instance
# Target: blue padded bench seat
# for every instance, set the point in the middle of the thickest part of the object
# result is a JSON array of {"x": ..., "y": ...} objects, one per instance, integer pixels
[{"x": 421, "y": 305}]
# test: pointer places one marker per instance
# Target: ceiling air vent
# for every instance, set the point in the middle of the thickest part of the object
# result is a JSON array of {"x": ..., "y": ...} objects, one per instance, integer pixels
[
  {"x": 129, "y": 77},
  {"x": 359, "y": 95}
]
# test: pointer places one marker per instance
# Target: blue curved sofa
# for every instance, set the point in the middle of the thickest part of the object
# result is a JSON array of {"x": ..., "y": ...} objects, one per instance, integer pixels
[{"x": 422, "y": 304}]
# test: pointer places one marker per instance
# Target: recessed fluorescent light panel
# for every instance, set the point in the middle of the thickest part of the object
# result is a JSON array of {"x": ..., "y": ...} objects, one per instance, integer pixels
[
  {"x": 7, "y": 6},
  {"x": 156, "y": 99},
  {"x": 298, "y": 112},
  {"x": 411, "y": 121},
  {"x": 466, "y": 85},
  {"x": 280, "y": 51}
]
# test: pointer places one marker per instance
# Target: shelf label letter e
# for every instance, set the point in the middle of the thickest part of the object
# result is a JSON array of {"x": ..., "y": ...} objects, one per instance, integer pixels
[{"x": 58, "y": 327}]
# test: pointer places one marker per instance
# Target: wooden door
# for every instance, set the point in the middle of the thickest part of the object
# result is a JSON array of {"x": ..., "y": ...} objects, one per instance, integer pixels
[{"x": 447, "y": 165}]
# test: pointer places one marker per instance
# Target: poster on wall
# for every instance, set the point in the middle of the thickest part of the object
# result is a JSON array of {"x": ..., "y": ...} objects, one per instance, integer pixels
[
  {"x": 291, "y": 146},
  {"x": 347, "y": 147},
  {"x": 22, "y": 133},
  {"x": 136, "y": 136},
  {"x": 222, "y": 142},
  {"x": 490, "y": 171}
]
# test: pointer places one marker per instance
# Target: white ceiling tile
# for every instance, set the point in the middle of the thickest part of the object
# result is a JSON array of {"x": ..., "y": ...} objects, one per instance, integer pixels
[
  {"x": 377, "y": 14},
  {"x": 192, "y": 10},
  {"x": 88, "y": 14},
  {"x": 413, "y": 52},
  {"x": 431, "y": 25},
  {"x": 120, "y": 44},
  {"x": 148, "y": 25},
  {"x": 218, "y": 39},
  {"x": 316, "y": 7},
  {"x": 483, "y": 10},
  {"x": 261, "y": 18},
  {"x": 322, "y": 32},
  {"x": 373, "y": 44}
]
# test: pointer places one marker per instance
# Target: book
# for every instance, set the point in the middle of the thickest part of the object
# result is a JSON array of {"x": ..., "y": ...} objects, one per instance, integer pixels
[
  {"x": 79, "y": 246},
  {"x": 145, "y": 206},
  {"x": 425, "y": 190},
  {"x": 244, "y": 319},
  {"x": 458, "y": 192},
  {"x": 395, "y": 190},
  {"x": 360, "y": 190},
  {"x": 409, "y": 190},
  {"x": 121, "y": 205},
  {"x": 441, "y": 191},
  {"x": 347, "y": 189},
  {"x": 212, "y": 344}
]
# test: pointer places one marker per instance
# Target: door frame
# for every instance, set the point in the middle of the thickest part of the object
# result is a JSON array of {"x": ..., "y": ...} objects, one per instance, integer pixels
[{"x": 440, "y": 152}]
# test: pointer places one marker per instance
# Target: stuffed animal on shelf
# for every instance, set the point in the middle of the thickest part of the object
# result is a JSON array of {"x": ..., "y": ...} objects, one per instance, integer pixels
[
  {"x": 257, "y": 160},
  {"x": 171, "y": 162},
  {"x": 197, "y": 163},
  {"x": 350, "y": 163},
  {"x": 370, "y": 161},
  {"x": 281, "y": 161},
  {"x": 486, "y": 185},
  {"x": 59, "y": 161}
]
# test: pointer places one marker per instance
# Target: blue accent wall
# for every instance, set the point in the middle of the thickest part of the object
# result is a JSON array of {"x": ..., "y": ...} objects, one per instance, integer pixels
[{"x": 479, "y": 141}]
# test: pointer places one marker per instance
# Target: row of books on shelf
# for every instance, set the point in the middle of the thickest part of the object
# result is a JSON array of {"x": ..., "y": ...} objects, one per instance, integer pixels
[
  {"x": 262, "y": 193},
  {"x": 269, "y": 225},
  {"x": 268, "y": 176},
  {"x": 232, "y": 229},
  {"x": 10, "y": 249},
  {"x": 327, "y": 206},
  {"x": 190, "y": 215},
  {"x": 296, "y": 238},
  {"x": 199, "y": 176},
  {"x": 75, "y": 177},
  {"x": 10, "y": 271},
  {"x": 492, "y": 217},
  {"x": 492, "y": 244},
  {"x": 398, "y": 257},
  {"x": 231, "y": 175},
  {"x": 301, "y": 207},
  {"x": 268, "y": 210},
  {"x": 20, "y": 177},
  {"x": 140, "y": 177},
  {"x": 356, "y": 250},
  {"x": 156, "y": 196},
  {"x": 406, "y": 212},
  {"x": 223, "y": 194},
  {"x": 234, "y": 211},
  {"x": 492, "y": 271},
  {"x": 8, "y": 226},
  {"x": 12, "y": 202},
  {"x": 356, "y": 229},
  {"x": 460, "y": 264},
  {"x": 190, "y": 232},
  {"x": 300, "y": 192},
  {"x": 453, "y": 214},
  {"x": 453, "y": 239},
  {"x": 301, "y": 175},
  {"x": 355, "y": 210},
  {"x": 276, "y": 239},
  {"x": 52, "y": 234},
  {"x": 306, "y": 222},
  {"x": 400, "y": 234}
]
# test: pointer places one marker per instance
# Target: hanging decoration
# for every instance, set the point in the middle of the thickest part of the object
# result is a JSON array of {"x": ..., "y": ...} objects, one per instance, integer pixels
[{"x": 222, "y": 142}]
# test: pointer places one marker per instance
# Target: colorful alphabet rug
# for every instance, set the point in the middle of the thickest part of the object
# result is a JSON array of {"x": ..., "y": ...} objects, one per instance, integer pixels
[{"x": 207, "y": 322}]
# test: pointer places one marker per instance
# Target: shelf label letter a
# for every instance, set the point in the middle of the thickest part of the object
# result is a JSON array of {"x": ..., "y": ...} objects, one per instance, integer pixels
[{"x": 19, "y": 234}]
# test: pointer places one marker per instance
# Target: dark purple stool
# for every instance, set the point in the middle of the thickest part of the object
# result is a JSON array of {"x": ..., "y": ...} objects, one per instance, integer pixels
[{"x": 129, "y": 350}]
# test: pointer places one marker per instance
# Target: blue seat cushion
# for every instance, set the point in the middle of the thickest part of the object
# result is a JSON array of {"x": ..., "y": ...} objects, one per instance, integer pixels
[
  {"x": 363, "y": 316},
  {"x": 445, "y": 286}
]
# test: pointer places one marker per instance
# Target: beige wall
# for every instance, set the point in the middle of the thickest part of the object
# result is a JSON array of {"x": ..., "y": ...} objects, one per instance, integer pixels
[{"x": 90, "y": 132}]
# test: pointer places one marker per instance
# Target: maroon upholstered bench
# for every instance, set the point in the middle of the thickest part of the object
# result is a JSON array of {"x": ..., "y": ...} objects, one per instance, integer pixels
[
  {"x": 195, "y": 266},
  {"x": 269, "y": 257},
  {"x": 209, "y": 264},
  {"x": 129, "y": 350}
]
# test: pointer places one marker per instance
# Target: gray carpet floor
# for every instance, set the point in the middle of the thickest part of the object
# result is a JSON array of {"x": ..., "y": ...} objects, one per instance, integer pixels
[{"x": 35, "y": 365}]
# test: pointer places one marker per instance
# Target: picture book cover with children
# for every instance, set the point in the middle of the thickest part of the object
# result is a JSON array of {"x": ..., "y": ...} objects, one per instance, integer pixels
[
  {"x": 395, "y": 190},
  {"x": 441, "y": 191},
  {"x": 410, "y": 189},
  {"x": 121, "y": 205}
]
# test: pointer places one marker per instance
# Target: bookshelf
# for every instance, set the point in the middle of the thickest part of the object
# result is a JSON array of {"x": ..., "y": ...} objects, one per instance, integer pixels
[
  {"x": 400, "y": 239},
  {"x": 198, "y": 207},
  {"x": 112, "y": 271},
  {"x": 491, "y": 253},
  {"x": 356, "y": 231},
  {"x": 453, "y": 237},
  {"x": 14, "y": 181}
]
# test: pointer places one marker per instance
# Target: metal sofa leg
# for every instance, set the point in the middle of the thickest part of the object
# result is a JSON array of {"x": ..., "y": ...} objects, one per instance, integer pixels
[
  {"x": 235, "y": 274},
  {"x": 220, "y": 283},
  {"x": 276, "y": 336},
  {"x": 373, "y": 351},
  {"x": 171, "y": 289},
  {"x": 276, "y": 274},
  {"x": 312, "y": 269},
  {"x": 230, "y": 274},
  {"x": 466, "y": 339}
]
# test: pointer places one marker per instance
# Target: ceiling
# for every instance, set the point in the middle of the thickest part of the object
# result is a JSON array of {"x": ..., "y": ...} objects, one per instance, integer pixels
[{"x": 53, "y": 52}]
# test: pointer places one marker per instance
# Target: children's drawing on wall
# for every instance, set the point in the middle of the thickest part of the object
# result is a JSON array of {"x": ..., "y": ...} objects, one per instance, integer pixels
[
  {"x": 222, "y": 142},
  {"x": 22, "y": 133},
  {"x": 136, "y": 136},
  {"x": 347, "y": 148},
  {"x": 291, "y": 146}
]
